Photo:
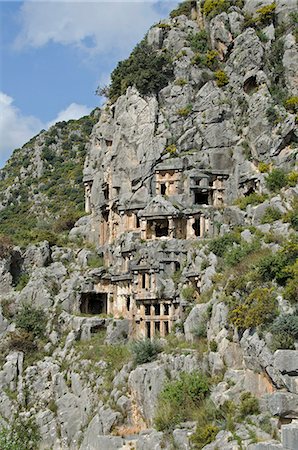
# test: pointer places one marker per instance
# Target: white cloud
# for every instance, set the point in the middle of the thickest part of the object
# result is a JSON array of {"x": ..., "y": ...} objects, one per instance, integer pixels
[
  {"x": 16, "y": 128},
  {"x": 73, "y": 111},
  {"x": 96, "y": 27}
]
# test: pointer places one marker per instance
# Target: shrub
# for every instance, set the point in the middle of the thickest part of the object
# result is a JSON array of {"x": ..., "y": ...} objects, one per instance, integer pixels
[
  {"x": 221, "y": 78},
  {"x": 188, "y": 293},
  {"x": 95, "y": 261},
  {"x": 171, "y": 149},
  {"x": 184, "y": 111},
  {"x": 145, "y": 69},
  {"x": 235, "y": 254},
  {"x": 66, "y": 221},
  {"x": 258, "y": 308},
  {"x": 180, "y": 82},
  {"x": 199, "y": 41},
  {"x": 204, "y": 436},
  {"x": 22, "y": 281},
  {"x": 282, "y": 341},
  {"x": 179, "y": 398},
  {"x": 22, "y": 434},
  {"x": 264, "y": 167},
  {"x": 271, "y": 215},
  {"x": 276, "y": 180},
  {"x": 291, "y": 104},
  {"x": 287, "y": 324},
  {"x": 249, "y": 405},
  {"x": 266, "y": 13},
  {"x": 213, "y": 7},
  {"x": 22, "y": 341},
  {"x": 291, "y": 290},
  {"x": 145, "y": 350},
  {"x": 32, "y": 320},
  {"x": 212, "y": 59},
  {"x": 183, "y": 9},
  {"x": 273, "y": 115},
  {"x": 251, "y": 199},
  {"x": 213, "y": 346},
  {"x": 293, "y": 178},
  {"x": 219, "y": 245}
]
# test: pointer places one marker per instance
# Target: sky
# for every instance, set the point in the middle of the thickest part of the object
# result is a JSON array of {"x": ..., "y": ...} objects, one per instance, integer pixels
[{"x": 54, "y": 54}]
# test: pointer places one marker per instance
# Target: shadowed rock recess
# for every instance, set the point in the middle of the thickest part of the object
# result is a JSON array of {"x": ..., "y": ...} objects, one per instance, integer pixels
[{"x": 160, "y": 310}]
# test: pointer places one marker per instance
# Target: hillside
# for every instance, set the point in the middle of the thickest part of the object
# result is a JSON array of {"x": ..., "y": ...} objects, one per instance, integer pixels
[
  {"x": 166, "y": 317},
  {"x": 41, "y": 184}
]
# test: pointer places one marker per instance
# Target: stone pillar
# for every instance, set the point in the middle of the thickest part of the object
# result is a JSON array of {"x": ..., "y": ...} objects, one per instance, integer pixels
[
  {"x": 143, "y": 224},
  {"x": 121, "y": 222},
  {"x": 162, "y": 328},
  {"x": 87, "y": 198},
  {"x": 202, "y": 226},
  {"x": 171, "y": 227},
  {"x": 190, "y": 232}
]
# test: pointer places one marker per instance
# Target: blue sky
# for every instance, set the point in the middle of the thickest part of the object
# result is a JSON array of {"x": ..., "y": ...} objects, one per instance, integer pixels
[{"x": 55, "y": 53}]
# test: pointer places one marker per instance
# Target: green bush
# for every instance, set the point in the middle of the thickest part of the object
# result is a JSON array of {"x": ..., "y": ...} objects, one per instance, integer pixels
[
  {"x": 278, "y": 265},
  {"x": 276, "y": 180},
  {"x": 183, "y": 9},
  {"x": 31, "y": 319},
  {"x": 234, "y": 255},
  {"x": 184, "y": 111},
  {"x": 213, "y": 346},
  {"x": 260, "y": 307},
  {"x": 204, "y": 436},
  {"x": 145, "y": 350},
  {"x": 22, "y": 341},
  {"x": 287, "y": 324},
  {"x": 213, "y": 7},
  {"x": 221, "y": 78},
  {"x": 22, "y": 434},
  {"x": 95, "y": 261},
  {"x": 22, "y": 281},
  {"x": 271, "y": 215},
  {"x": 249, "y": 405},
  {"x": 273, "y": 115},
  {"x": 251, "y": 199},
  {"x": 266, "y": 13},
  {"x": 281, "y": 341},
  {"x": 219, "y": 245},
  {"x": 179, "y": 398},
  {"x": 291, "y": 104},
  {"x": 188, "y": 293},
  {"x": 199, "y": 41},
  {"x": 145, "y": 69}
]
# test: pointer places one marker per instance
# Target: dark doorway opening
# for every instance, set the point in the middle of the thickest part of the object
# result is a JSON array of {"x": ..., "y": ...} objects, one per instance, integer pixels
[
  {"x": 128, "y": 303},
  {"x": 166, "y": 308},
  {"x": 250, "y": 85},
  {"x": 148, "y": 330},
  {"x": 162, "y": 228},
  {"x": 143, "y": 280},
  {"x": 197, "y": 227},
  {"x": 177, "y": 266},
  {"x": 201, "y": 198},
  {"x": 166, "y": 327},
  {"x": 163, "y": 189},
  {"x": 93, "y": 303}
]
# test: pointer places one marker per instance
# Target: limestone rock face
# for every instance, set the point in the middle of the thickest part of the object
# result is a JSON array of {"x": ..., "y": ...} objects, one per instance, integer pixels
[{"x": 166, "y": 176}]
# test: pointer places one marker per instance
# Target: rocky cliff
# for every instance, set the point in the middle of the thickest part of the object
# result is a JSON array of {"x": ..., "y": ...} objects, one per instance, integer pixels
[{"x": 167, "y": 316}]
